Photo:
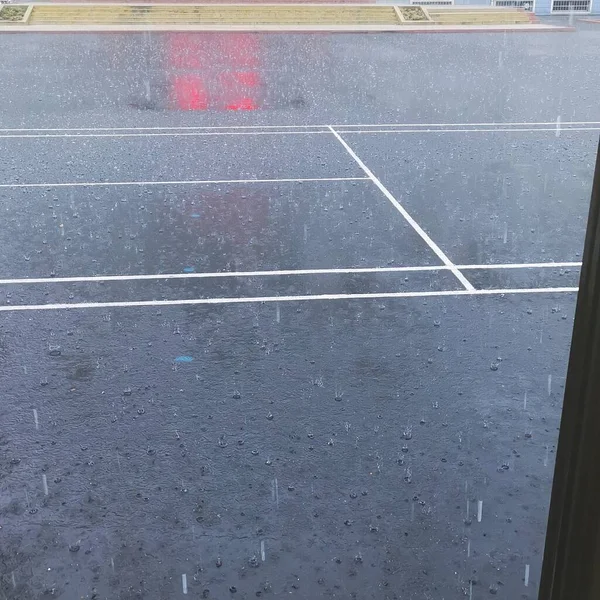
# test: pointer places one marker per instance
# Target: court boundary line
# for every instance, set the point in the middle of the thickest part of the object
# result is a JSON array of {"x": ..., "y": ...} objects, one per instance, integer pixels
[
  {"x": 424, "y": 236},
  {"x": 181, "y": 182},
  {"x": 530, "y": 130},
  {"x": 271, "y": 299},
  {"x": 317, "y": 126},
  {"x": 341, "y": 129},
  {"x": 537, "y": 265},
  {"x": 159, "y": 134},
  {"x": 282, "y": 273}
]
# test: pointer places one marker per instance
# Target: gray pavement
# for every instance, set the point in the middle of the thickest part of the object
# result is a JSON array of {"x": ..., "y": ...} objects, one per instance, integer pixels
[{"x": 349, "y": 444}]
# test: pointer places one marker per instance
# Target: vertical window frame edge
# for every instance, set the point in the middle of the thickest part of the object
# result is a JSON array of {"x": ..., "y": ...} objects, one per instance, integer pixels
[{"x": 572, "y": 548}]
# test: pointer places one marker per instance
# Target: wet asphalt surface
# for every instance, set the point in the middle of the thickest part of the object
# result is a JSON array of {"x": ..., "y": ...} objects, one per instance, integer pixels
[{"x": 315, "y": 449}]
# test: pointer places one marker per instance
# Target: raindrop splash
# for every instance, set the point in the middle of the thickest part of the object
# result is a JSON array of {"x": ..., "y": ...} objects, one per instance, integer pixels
[{"x": 184, "y": 583}]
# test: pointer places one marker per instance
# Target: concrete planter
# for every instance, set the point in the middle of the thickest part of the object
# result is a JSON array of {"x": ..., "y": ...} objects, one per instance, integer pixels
[
  {"x": 15, "y": 14},
  {"x": 412, "y": 14}
]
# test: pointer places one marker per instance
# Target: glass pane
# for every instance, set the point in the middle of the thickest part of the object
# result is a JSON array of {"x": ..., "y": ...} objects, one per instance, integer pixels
[{"x": 287, "y": 314}]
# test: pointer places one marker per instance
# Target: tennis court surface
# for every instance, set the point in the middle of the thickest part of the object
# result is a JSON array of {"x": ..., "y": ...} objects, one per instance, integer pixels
[{"x": 280, "y": 320}]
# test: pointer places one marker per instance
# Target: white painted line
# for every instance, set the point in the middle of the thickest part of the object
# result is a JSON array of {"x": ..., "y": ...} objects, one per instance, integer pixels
[
  {"x": 280, "y": 273},
  {"x": 479, "y": 510},
  {"x": 551, "y": 265},
  {"x": 340, "y": 129},
  {"x": 323, "y": 127},
  {"x": 490, "y": 130},
  {"x": 485, "y": 124},
  {"x": 436, "y": 249},
  {"x": 158, "y": 134},
  {"x": 35, "y": 418},
  {"x": 266, "y": 299},
  {"x": 526, "y": 575},
  {"x": 220, "y": 274},
  {"x": 192, "y": 182},
  {"x": 173, "y": 128},
  {"x": 45, "y": 484}
]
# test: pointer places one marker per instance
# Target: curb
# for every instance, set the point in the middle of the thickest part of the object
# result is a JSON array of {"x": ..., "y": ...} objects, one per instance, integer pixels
[
  {"x": 300, "y": 29},
  {"x": 282, "y": 29},
  {"x": 276, "y": 29}
]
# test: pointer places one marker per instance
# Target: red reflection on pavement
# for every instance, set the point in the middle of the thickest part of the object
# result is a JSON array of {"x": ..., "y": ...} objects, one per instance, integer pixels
[
  {"x": 238, "y": 90},
  {"x": 188, "y": 93},
  {"x": 214, "y": 71},
  {"x": 242, "y": 104}
]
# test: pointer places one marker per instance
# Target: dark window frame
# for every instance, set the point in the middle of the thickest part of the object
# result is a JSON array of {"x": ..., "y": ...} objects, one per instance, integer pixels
[{"x": 571, "y": 567}]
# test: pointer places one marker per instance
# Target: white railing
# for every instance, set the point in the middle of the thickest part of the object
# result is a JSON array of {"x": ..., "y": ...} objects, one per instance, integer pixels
[
  {"x": 527, "y": 5},
  {"x": 433, "y": 2},
  {"x": 568, "y": 6}
]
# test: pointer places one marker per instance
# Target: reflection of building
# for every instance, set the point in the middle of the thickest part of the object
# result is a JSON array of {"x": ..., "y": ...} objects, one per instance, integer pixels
[{"x": 213, "y": 71}]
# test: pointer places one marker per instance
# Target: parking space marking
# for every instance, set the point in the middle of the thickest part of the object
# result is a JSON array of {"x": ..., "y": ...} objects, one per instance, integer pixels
[
  {"x": 184, "y": 182},
  {"x": 267, "y": 299},
  {"x": 278, "y": 273},
  {"x": 434, "y": 247}
]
